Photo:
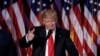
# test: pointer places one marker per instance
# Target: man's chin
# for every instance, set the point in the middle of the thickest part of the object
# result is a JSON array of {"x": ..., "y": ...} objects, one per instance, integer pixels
[{"x": 51, "y": 28}]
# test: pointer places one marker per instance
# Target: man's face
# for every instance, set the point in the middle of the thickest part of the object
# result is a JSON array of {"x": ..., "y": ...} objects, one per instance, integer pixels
[{"x": 50, "y": 23}]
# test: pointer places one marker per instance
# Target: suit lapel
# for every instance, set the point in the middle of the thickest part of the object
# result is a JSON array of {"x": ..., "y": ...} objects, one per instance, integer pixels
[
  {"x": 57, "y": 40},
  {"x": 43, "y": 37},
  {"x": 58, "y": 36}
]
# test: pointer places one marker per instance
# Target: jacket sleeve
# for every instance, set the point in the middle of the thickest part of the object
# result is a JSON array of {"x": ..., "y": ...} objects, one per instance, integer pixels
[
  {"x": 35, "y": 42},
  {"x": 69, "y": 45},
  {"x": 23, "y": 42}
]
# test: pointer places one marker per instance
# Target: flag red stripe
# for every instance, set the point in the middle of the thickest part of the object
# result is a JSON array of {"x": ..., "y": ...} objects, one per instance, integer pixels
[
  {"x": 14, "y": 21},
  {"x": 78, "y": 15},
  {"x": 77, "y": 42},
  {"x": 87, "y": 49},
  {"x": 23, "y": 13},
  {"x": 29, "y": 50},
  {"x": 3, "y": 23},
  {"x": 90, "y": 30}
]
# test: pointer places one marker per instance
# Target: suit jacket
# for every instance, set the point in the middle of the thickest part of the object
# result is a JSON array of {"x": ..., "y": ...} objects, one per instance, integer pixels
[
  {"x": 7, "y": 47},
  {"x": 62, "y": 42}
]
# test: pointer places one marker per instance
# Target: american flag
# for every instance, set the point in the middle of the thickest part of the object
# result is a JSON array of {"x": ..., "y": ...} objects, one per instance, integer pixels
[
  {"x": 76, "y": 26},
  {"x": 12, "y": 20},
  {"x": 90, "y": 27},
  {"x": 37, "y": 7},
  {"x": 65, "y": 13},
  {"x": 84, "y": 26},
  {"x": 19, "y": 16}
]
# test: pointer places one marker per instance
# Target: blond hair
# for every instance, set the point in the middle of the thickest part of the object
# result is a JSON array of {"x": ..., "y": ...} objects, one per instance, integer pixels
[{"x": 49, "y": 13}]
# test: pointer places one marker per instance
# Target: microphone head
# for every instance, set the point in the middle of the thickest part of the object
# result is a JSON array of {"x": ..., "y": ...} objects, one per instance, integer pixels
[{"x": 49, "y": 33}]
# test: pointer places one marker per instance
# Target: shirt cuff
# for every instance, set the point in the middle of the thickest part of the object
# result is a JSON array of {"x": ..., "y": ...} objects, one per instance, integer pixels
[{"x": 26, "y": 39}]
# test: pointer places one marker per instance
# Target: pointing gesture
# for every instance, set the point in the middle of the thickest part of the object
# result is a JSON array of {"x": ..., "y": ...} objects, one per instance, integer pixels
[{"x": 30, "y": 35}]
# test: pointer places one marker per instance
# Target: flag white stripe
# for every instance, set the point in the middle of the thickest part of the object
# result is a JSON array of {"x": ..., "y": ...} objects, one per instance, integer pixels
[
  {"x": 77, "y": 26},
  {"x": 10, "y": 26},
  {"x": 65, "y": 20},
  {"x": 19, "y": 18},
  {"x": 79, "y": 7},
  {"x": 98, "y": 16},
  {"x": 84, "y": 53},
  {"x": 91, "y": 45},
  {"x": 34, "y": 19},
  {"x": 16, "y": 41},
  {"x": 7, "y": 19},
  {"x": 90, "y": 20}
]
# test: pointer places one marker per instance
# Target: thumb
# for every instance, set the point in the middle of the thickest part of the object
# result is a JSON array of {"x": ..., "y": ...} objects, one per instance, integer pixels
[{"x": 32, "y": 30}]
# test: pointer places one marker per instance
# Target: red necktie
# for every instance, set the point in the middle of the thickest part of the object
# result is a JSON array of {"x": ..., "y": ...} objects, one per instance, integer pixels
[{"x": 50, "y": 46}]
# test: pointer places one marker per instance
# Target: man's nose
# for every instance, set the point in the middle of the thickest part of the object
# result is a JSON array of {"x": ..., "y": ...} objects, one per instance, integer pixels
[{"x": 51, "y": 22}]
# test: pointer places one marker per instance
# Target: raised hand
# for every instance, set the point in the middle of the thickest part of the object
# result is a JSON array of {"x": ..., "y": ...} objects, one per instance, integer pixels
[{"x": 30, "y": 35}]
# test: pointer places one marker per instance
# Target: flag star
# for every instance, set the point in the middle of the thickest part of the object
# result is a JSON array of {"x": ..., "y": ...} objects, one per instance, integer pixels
[
  {"x": 65, "y": 0},
  {"x": 33, "y": 1},
  {"x": 38, "y": 9},
  {"x": 39, "y": 3},
  {"x": 5, "y": 2},
  {"x": 44, "y": 5},
  {"x": 99, "y": 4},
  {"x": 50, "y": 0},
  {"x": 91, "y": 1},
  {"x": 95, "y": 3},
  {"x": 94, "y": 10},
  {"x": 67, "y": 8},
  {"x": 68, "y": 1}
]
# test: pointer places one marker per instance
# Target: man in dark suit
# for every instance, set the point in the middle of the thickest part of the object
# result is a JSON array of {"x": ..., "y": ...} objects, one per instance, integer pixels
[
  {"x": 7, "y": 47},
  {"x": 39, "y": 38}
]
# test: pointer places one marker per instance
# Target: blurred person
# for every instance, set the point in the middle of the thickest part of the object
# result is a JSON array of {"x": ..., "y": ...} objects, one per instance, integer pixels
[{"x": 7, "y": 46}]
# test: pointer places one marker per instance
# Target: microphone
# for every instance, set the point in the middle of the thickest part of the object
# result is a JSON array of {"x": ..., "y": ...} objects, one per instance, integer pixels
[{"x": 49, "y": 33}]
